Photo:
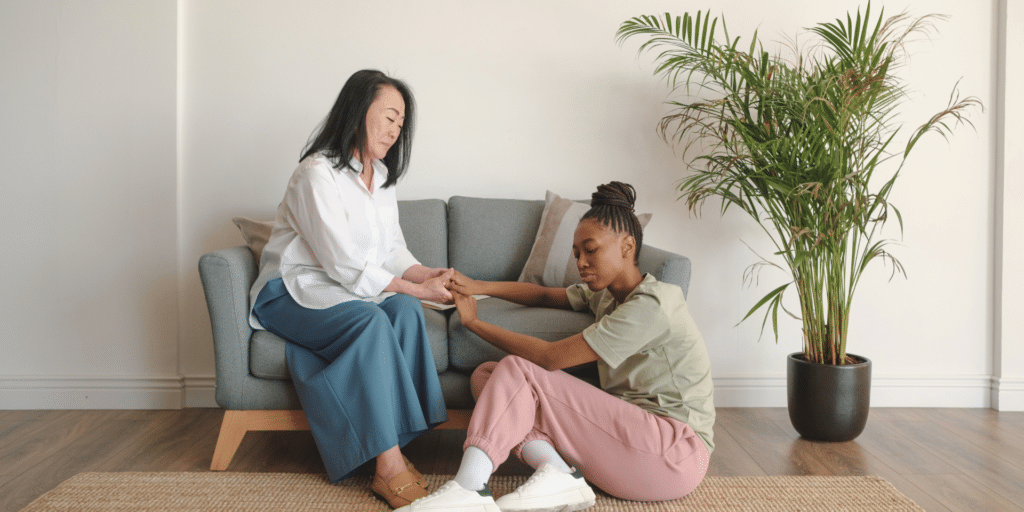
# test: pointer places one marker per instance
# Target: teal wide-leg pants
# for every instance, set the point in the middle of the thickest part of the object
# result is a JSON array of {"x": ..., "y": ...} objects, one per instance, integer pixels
[{"x": 364, "y": 373}]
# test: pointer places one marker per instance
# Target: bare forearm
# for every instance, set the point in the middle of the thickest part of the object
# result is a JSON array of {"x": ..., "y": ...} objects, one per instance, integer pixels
[
  {"x": 555, "y": 355},
  {"x": 532, "y": 349},
  {"x": 400, "y": 285},
  {"x": 418, "y": 273},
  {"x": 527, "y": 294}
]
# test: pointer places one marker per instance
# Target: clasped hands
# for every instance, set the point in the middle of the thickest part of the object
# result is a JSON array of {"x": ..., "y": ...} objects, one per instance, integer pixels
[{"x": 451, "y": 286}]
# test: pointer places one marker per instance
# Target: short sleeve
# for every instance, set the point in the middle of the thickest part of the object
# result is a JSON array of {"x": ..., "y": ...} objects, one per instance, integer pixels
[
  {"x": 630, "y": 329},
  {"x": 579, "y": 297}
]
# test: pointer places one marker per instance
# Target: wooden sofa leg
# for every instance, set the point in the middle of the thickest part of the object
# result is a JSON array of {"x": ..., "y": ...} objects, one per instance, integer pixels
[{"x": 237, "y": 423}]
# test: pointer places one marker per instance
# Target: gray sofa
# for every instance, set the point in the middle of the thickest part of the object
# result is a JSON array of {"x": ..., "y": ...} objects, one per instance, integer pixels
[{"x": 486, "y": 239}]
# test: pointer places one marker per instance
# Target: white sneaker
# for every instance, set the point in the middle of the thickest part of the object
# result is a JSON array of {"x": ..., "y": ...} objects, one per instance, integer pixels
[
  {"x": 549, "y": 490},
  {"x": 452, "y": 497}
]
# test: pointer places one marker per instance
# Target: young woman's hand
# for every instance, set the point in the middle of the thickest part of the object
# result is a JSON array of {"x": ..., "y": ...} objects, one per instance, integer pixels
[
  {"x": 464, "y": 285},
  {"x": 466, "y": 305}
]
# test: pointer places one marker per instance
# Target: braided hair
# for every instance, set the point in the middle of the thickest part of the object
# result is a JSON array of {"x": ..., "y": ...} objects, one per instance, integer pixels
[{"x": 612, "y": 205}]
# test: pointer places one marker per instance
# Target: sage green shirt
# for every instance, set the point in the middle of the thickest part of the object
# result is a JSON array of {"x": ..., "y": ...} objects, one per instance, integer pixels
[{"x": 651, "y": 353}]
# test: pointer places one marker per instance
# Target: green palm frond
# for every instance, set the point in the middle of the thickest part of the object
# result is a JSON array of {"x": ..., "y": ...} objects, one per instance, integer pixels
[{"x": 795, "y": 144}]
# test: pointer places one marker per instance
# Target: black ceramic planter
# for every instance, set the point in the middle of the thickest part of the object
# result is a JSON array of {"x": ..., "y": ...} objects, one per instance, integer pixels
[{"x": 826, "y": 402}]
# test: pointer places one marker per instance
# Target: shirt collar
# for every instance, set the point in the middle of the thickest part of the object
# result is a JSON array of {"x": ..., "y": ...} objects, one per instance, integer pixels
[
  {"x": 379, "y": 170},
  {"x": 648, "y": 279},
  {"x": 357, "y": 167}
]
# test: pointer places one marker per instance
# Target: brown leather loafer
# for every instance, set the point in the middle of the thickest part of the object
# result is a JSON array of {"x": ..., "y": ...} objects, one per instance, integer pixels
[
  {"x": 419, "y": 477},
  {"x": 402, "y": 490}
]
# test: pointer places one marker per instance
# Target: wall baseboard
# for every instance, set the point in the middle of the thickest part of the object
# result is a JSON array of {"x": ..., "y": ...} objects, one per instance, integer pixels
[
  {"x": 1007, "y": 394},
  {"x": 90, "y": 392},
  {"x": 886, "y": 391},
  {"x": 200, "y": 391},
  {"x": 176, "y": 392},
  {"x": 103, "y": 392}
]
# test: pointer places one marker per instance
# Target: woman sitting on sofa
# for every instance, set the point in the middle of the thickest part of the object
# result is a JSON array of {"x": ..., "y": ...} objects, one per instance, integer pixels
[
  {"x": 645, "y": 435},
  {"x": 338, "y": 283}
]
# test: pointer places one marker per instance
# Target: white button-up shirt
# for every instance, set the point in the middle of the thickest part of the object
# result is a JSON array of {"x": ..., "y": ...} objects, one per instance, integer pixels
[{"x": 334, "y": 240}]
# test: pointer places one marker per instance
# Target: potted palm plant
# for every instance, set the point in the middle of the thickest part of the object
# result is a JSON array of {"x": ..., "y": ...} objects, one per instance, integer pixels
[{"x": 797, "y": 139}]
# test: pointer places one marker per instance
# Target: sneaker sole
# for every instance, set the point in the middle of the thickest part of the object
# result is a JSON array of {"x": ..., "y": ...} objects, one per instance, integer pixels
[
  {"x": 474, "y": 508},
  {"x": 572, "y": 507}
]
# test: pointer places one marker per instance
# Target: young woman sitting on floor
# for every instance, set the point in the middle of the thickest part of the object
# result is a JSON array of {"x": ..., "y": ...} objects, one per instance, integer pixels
[{"x": 645, "y": 434}]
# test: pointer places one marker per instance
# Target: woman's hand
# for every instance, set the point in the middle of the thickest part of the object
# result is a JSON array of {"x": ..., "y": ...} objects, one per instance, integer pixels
[
  {"x": 438, "y": 272},
  {"x": 464, "y": 285},
  {"x": 419, "y": 274},
  {"x": 466, "y": 305},
  {"x": 436, "y": 288}
]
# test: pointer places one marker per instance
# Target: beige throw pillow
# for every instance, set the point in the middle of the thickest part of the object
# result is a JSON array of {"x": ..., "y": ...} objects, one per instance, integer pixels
[
  {"x": 256, "y": 234},
  {"x": 551, "y": 262}
]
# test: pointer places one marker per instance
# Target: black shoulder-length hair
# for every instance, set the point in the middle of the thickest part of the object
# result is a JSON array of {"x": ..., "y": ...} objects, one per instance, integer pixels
[{"x": 343, "y": 131}]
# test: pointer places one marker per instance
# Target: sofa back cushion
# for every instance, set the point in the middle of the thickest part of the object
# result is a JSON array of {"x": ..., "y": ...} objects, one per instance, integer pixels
[
  {"x": 491, "y": 238},
  {"x": 425, "y": 226}
]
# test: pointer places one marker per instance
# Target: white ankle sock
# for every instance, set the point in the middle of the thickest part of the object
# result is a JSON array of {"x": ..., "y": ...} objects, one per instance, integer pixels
[
  {"x": 475, "y": 470},
  {"x": 539, "y": 451}
]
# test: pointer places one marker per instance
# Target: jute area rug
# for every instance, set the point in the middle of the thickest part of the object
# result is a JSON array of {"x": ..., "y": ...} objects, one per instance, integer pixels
[{"x": 218, "y": 492}]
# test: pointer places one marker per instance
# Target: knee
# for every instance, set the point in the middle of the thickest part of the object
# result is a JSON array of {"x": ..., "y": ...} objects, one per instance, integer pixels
[
  {"x": 480, "y": 376},
  {"x": 374, "y": 318},
  {"x": 404, "y": 307},
  {"x": 513, "y": 367},
  {"x": 515, "y": 363},
  {"x": 404, "y": 302}
]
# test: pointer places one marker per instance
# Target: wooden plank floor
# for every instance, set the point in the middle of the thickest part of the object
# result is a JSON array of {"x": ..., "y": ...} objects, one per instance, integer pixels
[{"x": 944, "y": 459}]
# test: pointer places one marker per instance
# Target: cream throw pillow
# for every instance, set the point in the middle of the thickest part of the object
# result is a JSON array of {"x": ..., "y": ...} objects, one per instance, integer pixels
[
  {"x": 255, "y": 233},
  {"x": 551, "y": 262}
]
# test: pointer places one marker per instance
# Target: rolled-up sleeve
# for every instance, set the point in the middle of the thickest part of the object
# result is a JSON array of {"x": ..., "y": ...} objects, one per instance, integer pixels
[
  {"x": 321, "y": 220},
  {"x": 400, "y": 261}
]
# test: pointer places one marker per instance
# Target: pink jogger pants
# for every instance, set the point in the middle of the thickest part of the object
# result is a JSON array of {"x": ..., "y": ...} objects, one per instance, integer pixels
[{"x": 617, "y": 446}]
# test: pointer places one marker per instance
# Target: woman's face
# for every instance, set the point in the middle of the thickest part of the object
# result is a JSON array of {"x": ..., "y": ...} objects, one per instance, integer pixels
[
  {"x": 384, "y": 122},
  {"x": 602, "y": 255}
]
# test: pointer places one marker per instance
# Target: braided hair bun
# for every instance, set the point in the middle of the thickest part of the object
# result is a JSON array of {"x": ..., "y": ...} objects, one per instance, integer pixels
[
  {"x": 612, "y": 205},
  {"x": 615, "y": 193}
]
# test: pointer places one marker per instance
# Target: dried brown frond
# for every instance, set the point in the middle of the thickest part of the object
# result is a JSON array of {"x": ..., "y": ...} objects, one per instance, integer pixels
[
  {"x": 809, "y": 188},
  {"x": 797, "y": 233},
  {"x": 923, "y": 26}
]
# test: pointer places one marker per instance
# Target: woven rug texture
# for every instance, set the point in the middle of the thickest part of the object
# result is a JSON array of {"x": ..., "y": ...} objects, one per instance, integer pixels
[{"x": 224, "y": 492}]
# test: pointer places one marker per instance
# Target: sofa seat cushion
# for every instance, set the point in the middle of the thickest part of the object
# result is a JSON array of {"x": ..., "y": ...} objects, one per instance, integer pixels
[
  {"x": 267, "y": 359},
  {"x": 467, "y": 350}
]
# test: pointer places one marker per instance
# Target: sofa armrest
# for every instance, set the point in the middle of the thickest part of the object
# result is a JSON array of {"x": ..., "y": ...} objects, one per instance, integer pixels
[
  {"x": 227, "y": 276},
  {"x": 668, "y": 267}
]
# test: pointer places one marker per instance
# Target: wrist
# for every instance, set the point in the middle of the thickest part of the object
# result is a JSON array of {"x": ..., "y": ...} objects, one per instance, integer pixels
[
  {"x": 471, "y": 323},
  {"x": 406, "y": 287},
  {"x": 482, "y": 288},
  {"x": 419, "y": 290}
]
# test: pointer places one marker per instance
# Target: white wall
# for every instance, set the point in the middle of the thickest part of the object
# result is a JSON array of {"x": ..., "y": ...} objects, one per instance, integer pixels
[
  {"x": 87, "y": 152},
  {"x": 513, "y": 100},
  {"x": 1008, "y": 374}
]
